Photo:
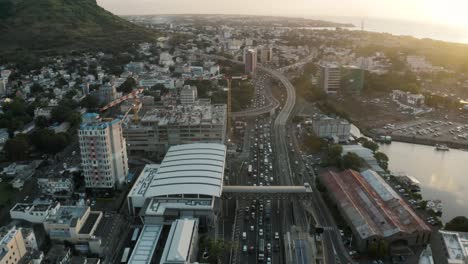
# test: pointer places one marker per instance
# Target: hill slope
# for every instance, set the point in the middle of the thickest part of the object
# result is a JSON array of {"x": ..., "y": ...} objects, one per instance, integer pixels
[{"x": 50, "y": 25}]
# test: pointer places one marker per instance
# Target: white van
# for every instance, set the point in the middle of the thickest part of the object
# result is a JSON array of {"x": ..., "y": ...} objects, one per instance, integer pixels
[{"x": 244, "y": 235}]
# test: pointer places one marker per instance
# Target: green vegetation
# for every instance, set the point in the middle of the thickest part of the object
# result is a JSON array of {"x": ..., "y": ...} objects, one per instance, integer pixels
[
  {"x": 6, "y": 193},
  {"x": 15, "y": 115},
  {"x": 47, "y": 141},
  {"x": 370, "y": 145},
  {"x": 391, "y": 81},
  {"x": 314, "y": 144},
  {"x": 52, "y": 26},
  {"x": 458, "y": 224},
  {"x": 352, "y": 161},
  {"x": 242, "y": 94},
  {"x": 382, "y": 160},
  {"x": 127, "y": 86},
  {"x": 17, "y": 148},
  {"x": 437, "y": 101},
  {"x": 333, "y": 155},
  {"x": 304, "y": 87}
]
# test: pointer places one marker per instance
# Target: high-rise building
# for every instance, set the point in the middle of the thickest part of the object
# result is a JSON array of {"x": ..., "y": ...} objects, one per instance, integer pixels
[
  {"x": 352, "y": 79},
  {"x": 250, "y": 60},
  {"x": 329, "y": 78},
  {"x": 12, "y": 246},
  {"x": 266, "y": 54},
  {"x": 3, "y": 86},
  {"x": 103, "y": 152},
  {"x": 188, "y": 94}
]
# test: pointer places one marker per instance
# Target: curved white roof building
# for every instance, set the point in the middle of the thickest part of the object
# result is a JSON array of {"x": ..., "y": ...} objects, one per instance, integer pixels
[{"x": 190, "y": 169}]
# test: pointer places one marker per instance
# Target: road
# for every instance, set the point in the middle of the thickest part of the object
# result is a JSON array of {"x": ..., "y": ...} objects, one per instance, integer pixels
[{"x": 334, "y": 249}]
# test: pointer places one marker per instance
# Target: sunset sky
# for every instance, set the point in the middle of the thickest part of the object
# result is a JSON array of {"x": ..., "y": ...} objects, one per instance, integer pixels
[{"x": 448, "y": 12}]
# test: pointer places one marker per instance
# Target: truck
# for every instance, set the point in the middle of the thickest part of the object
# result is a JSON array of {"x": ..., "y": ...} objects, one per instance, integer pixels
[{"x": 250, "y": 169}]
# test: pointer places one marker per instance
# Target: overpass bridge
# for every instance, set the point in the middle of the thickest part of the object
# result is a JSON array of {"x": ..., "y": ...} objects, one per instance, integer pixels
[{"x": 266, "y": 192}]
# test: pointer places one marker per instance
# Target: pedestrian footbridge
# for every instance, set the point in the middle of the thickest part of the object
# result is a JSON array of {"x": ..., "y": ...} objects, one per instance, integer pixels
[{"x": 266, "y": 192}]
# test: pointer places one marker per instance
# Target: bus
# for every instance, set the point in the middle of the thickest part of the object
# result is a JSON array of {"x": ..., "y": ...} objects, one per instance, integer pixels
[
  {"x": 125, "y": 255},
  {"x": 135, "y": 234},
  {"x": 250, "y": 169},
  {"x": 261, "y": 250}
]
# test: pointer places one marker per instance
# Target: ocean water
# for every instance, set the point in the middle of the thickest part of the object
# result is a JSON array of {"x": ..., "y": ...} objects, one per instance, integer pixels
[{"x": 405, "y": 28}]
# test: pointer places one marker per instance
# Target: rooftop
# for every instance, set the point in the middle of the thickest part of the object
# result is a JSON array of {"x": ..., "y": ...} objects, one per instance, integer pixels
[
  {"x": 456, "y": 244},
  {"x": 67, "y": 215},
  {"x": 190, "y": 169},
  {"x": 144, "y": 180},
  {"x": 179, "y": 241},
  {"x": 146, "y": 245},
  {"x": 371, "y": 205},
  {"x": 197, "y": 114}
]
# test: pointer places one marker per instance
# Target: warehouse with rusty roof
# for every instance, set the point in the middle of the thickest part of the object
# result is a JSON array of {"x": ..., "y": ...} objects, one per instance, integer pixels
[{"x": 377, "y": 215}]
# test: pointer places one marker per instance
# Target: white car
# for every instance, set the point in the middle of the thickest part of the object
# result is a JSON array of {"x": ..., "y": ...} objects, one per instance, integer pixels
[{"x": 260, "y": 232}]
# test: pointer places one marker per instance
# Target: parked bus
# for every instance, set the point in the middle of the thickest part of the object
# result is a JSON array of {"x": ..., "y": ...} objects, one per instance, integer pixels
[
  {"x": 125, "y": 255},
  {"x": 261, "y": 250}
]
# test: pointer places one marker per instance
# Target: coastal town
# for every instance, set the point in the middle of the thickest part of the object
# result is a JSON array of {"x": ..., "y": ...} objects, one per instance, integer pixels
[{"x": 231, "y": 139}]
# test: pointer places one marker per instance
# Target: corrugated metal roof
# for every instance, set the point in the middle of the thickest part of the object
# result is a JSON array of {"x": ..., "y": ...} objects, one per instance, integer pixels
[
  {"x": 369, "y": 205},
  {"x": 146, "y": 244},
  {"x": 190, "y": 169}
]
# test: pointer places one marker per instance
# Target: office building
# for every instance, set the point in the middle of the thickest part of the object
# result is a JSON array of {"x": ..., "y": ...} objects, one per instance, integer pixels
[
  {"x": 250, "y": 60},
  {"x": 12, "y": 246},
  {"x": 331, "y": 128},
  {"x": 103, "y": 152},
  {"x": 352, "y": 80},
  {"x": 181, "y": 244},
  {"x": 188, "y": 94},
  {"x": 377, "y": 215},
  {"x": 163, "y": 127},
  {"x": 329, "y": 78}
]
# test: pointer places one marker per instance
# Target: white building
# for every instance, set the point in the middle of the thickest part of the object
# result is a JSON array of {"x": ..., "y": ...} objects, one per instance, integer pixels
[
  {"x": 181, "y": 245},
  {"x": 329, "y": 78},
  {"x": 327, "y": 127},
  {"x": 455, "y": 246},
  {"x": 103, "y": 152},
  {"x": 188, "y": 94},
  {"x": 3, "y": 86},
  {"x": 60, "y": 186},
  {"x": 35, "y": 212},
  {"x": 188, "y": 183}
]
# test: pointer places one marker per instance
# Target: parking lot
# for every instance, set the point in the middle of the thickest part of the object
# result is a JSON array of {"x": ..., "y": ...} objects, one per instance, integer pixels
[{"x": 431, "y": 130}]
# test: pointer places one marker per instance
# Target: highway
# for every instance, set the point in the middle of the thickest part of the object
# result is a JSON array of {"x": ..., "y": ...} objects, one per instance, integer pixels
[{"x": 333, "y": 247}]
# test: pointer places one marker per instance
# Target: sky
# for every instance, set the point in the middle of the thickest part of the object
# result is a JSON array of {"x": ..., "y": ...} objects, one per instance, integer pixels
[{"x": 445, "y": 12}]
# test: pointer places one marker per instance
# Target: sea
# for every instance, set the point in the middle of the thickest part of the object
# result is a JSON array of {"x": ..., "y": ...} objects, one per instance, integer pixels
[{"x": 404, "y": 28}]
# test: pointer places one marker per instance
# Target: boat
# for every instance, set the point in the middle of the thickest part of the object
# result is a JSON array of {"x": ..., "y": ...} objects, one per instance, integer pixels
[{"x": 442, "y": 147}]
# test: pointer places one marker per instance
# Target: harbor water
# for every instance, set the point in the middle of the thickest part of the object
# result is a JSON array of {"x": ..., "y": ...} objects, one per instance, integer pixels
[{"x": 443, "y": 174}]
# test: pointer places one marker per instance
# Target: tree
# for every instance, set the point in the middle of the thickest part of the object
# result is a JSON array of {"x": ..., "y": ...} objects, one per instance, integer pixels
[
  {"x": 382, "y": 159},
  {"x": 41, "y": 122},
  {"x": 36, "y": 88},
  {"x": 17, "y": 148},
  {"x": 457, "y": 224},
  {"x": 334, "y": 155},
  {"x": 370, "y": 145},
  {"x": 47, "y": 141},
  {"x": 90, "y": 102},
  {"x": 352, "y": 161},
  {"x": 313, "y": 143},
  {"x": 127, "y": 86}
]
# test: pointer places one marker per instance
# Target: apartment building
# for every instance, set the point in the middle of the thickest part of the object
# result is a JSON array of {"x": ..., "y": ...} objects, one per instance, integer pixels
[
  {"x": 329, "y": 78},
  {"x": 12, "y": 246},
  {"x": 103, "y": 152},
  {"x": 250, "y": 59},
  {"x": 188, "y": 94}
]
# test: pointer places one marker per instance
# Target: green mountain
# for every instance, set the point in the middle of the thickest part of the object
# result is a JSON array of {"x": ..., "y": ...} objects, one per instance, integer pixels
[{"x": 63, "y": 25}]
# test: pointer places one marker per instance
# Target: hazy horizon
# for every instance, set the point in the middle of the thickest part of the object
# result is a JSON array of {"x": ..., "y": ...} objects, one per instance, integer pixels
[{"x": 449, "y": 12}]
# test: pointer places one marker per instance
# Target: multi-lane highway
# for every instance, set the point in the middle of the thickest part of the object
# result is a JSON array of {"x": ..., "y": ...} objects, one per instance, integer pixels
[{"x": 292, "y": 211}]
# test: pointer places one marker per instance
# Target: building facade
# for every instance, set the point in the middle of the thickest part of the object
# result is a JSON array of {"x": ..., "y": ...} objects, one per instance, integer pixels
[
  {"x": 161, "y": 128},
  {"x": 250, "y": 59},
  {"x": 352, "y": 80},
  {"x": 12, "y": 246},
  {"x": 188, "y": 94},
  {"x": 327, "y": 127},
  {"x": 329, "y": 78},
  {"x": 103, "y": 152}
]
